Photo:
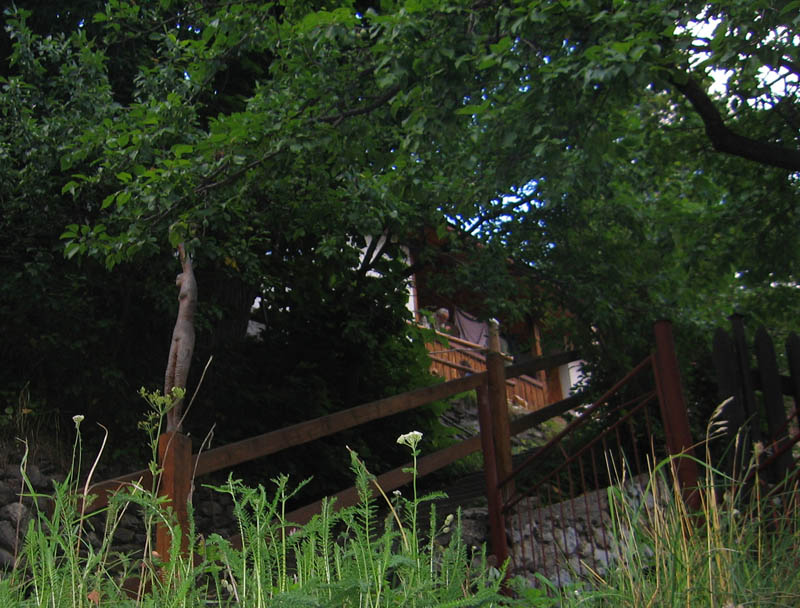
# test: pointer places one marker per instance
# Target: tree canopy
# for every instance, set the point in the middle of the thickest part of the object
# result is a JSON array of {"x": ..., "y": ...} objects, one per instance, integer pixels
[{"x": 633, "y": 159}]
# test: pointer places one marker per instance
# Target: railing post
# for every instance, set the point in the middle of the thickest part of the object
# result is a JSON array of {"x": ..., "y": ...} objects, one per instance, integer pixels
[
  {"x": 674, "y": 414},
  {"x": 498, "y": 405},
  {"x": 497, "y": 526},
  {"x": 488, "y": 419},
  {"x": 175, "y": 459}
]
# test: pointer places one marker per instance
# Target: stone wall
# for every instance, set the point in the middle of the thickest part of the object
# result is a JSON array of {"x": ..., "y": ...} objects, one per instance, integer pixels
[
  {"x": 15, "y": 513},
  {"x": 213, "y": 513},
  {"x": 574, "y": 539}
]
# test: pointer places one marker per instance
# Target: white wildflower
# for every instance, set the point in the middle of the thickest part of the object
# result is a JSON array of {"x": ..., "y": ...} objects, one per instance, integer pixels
[
  {"x": 410, "y": 439},
  {"x": 77, "y": 419}
]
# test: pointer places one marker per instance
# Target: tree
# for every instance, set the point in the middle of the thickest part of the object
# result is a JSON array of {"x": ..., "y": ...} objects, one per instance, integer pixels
[
  {"x": 282, "y": 208},
  {"x": 584, "y": 139}
]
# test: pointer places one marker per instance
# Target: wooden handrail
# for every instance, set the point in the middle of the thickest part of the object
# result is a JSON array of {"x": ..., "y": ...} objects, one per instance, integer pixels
[
  {"x": 431, "y": 463},
  {"x": 472, "y": 349},
  {"x": 395, "y": 478},
  {"x": 275, "y": 441},
  {"x": 460, "y": 341},
  {"x": 531, "y": 366},
  {"x": 303, "y": 432}
]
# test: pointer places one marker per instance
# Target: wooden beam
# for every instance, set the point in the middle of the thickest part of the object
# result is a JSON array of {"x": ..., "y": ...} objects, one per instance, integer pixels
[
  {"x": 304, "y": 432},
  {"x": 529, "y": 367},
  {"x": 528, "y": 421},
  {"x": 104, "y": 489},
  {"x": 458, "y": 366},
  {"x": 395, "y": 478}
]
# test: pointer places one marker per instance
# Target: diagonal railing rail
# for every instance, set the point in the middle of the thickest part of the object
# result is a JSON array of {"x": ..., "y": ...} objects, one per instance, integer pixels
[
  {"x": 180, "y": 466},
  {"x": 557, "y": 492}
]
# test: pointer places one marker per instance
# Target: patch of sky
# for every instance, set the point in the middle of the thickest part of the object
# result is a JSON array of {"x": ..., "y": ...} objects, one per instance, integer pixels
[{"x": 778, "y": 80}]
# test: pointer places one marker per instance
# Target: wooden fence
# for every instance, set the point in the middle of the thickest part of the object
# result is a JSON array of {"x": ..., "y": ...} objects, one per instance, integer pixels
[
  {"x": 755, "y": 408},
  {"x": 558, "y": 491},
  {"x": 180, "y": 466}
]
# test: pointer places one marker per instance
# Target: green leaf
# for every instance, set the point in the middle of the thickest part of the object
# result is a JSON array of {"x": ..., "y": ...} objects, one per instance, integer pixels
[
  {"x": 107, "y": 201},
  {"x": 71, "y": 249},
  {"x": 791, "y": 8},
  {"x": 502, "y": 45},
  {"x": 69, "y": 187},
  {"x": 487, "y": 62},
  {"x": 70, "y": 232},
  {"x": 179, "y": 150}
]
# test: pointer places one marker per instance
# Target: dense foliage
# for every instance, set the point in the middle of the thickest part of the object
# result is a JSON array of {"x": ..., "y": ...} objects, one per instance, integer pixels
[{"x": 633, "y": 159}]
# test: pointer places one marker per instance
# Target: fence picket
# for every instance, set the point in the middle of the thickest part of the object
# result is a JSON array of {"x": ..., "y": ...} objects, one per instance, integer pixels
[
  {"x": 774, "y": 409},
  {"x": 793, "y": 356},
  {"x": 728, "y": 381},
  {"x": 745, "y": 378}
]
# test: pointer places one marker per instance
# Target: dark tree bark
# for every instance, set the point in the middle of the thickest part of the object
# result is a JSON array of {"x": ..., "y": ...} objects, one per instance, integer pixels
[{"x": 724, "y": 139}]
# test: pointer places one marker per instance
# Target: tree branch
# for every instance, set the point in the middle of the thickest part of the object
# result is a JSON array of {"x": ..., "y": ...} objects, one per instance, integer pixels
[
  {"x": 366, "y": 262},
  {"x": 498, "y": 211},
  {"x": 232, "y": 176},
  {"x": 725, "y": 140},
  {"x": 335, "y": 119}
]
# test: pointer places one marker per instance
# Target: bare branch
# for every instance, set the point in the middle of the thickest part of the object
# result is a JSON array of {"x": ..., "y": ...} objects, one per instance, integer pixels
[
  {"x": 726, "y": 140},
  {"x": 335, "y": 119}
]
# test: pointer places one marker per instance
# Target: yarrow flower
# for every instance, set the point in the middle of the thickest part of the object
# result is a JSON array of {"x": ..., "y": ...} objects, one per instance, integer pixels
[
  {"x": 410, "y": 439},
  {"x": 77, "y": 419}
]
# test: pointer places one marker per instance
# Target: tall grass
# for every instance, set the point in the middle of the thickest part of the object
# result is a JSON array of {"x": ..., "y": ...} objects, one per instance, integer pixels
[
  {"x": 739, "y": 549},
  {"x": 351, "y": 557}
]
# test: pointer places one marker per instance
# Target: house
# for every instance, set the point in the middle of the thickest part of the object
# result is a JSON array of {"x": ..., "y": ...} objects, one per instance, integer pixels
[{"x": 464, "y": 335}]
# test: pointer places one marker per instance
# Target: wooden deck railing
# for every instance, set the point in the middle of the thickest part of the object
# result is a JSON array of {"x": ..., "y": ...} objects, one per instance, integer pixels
[{"x": 453, "y": 358}]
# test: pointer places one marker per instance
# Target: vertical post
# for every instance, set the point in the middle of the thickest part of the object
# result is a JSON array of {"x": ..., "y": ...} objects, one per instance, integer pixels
[
  {"x": 793, "y": 359},
  {"x": 536, "y": 349},
  {"x": 498, "y": 405},
  {"x": 748, "y": 392},
  {"x": 175, "y": 458},
  {"x": 730, "y": 392},
  {"x": 497, "y": 526},
  {"x": 673, "y": 412},
  {"x": 773, "y": 404}
]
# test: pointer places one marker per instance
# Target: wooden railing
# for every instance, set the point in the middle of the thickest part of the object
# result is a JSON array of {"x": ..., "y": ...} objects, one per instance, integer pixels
[
  {"x": 179, "y": 466},
  {"x": 453, "y": 358}
]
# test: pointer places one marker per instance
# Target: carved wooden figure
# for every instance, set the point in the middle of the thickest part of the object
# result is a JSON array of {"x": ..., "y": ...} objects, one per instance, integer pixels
[{"x": 182, "y": 347}]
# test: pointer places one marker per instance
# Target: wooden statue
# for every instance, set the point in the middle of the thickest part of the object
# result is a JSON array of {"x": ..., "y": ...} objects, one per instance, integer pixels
[{"x": 182, "y": 347}]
